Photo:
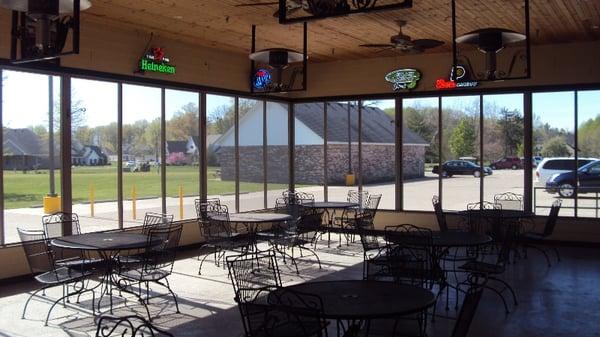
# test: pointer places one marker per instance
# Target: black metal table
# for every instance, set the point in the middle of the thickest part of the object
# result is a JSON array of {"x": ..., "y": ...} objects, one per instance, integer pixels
[
  {"x": 108, "y": 246},
  {"x": 330, "y": 207},
  {"x": 252, "y": 220},
  {"x": 357, "y": 301}
]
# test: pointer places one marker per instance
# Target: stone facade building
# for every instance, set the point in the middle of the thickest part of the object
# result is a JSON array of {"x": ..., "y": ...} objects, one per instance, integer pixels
[{"x": 378, "y": 146}]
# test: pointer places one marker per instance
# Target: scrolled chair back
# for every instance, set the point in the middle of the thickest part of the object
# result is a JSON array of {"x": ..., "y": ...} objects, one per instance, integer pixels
[
  {"x": 509, "y": 201},
  {"x": 128, "y": 326}
]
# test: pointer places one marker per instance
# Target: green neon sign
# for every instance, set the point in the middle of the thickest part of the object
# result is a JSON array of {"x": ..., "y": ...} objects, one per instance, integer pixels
[{"x": 147, "y": 64}]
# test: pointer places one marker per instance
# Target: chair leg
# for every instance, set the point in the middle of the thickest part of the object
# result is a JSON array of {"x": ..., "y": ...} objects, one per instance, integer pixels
[
  {"x": 202, "y": 262},
  {"x": 556, "y": 252},
  {"x": 313, "y": 253},
  {"x": 507, "y": 287},
  {"x": 501, "y": 297},
  {"x": 43, "y": 290},
  {"x": 168, "y": 286},
  {"x": 543, "y": 252}
]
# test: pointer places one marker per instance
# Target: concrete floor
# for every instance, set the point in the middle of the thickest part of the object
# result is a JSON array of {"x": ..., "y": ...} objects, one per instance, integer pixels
[{"x": 557, "y": 301}]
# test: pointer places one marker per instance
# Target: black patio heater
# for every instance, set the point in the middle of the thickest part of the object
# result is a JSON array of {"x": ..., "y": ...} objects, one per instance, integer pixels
[
  {"x": 507, "y": 52},
  {"x": 40, "y": 28}
]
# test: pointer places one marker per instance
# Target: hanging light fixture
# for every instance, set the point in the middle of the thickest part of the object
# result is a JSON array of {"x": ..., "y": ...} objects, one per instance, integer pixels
[
  {"x": 491, "y": 41},
  {"x": 277, "y": 57},
  {"x": 40, "y": 28}
]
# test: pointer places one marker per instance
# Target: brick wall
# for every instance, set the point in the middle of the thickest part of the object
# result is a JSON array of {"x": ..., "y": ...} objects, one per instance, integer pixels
[{"x": 377, "y": 164}]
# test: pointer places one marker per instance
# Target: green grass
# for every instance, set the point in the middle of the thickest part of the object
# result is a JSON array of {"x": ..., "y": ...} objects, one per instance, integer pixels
[{"x": 27, "y": 190}]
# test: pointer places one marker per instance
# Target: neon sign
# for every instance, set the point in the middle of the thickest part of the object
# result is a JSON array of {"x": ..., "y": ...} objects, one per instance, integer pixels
[
  {"x": 460, "y": 80},
  {"x": 404, "y": 78},
  {"x": 155, "y": 61},
  {"x": 261, "y": 79}
]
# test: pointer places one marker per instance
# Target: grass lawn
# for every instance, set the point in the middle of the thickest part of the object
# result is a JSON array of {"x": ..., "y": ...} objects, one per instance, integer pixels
[{"x": 27, "y": 190}]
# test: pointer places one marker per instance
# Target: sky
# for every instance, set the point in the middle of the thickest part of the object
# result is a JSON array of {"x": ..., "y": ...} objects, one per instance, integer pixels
[{"x": 25, "y": 102}]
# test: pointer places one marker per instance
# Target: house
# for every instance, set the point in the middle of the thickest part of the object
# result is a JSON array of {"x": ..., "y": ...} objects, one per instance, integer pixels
[
  {"x": 24, "y": 150},
  {"x": 177, "y": 152},
  {"x": 194, "y": 144},
  {"x": 378, "y": 145}
]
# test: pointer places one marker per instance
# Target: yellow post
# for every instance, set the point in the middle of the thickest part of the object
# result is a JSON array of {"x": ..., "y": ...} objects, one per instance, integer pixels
[
  {"x": 180, "y": 202},
  {"x": 92, "y": 199},
  {"x": 133, "y": 196}
]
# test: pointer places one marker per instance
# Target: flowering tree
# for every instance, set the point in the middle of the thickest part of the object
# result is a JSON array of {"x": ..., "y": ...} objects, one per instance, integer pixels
[{"x": 176, "y": 158}]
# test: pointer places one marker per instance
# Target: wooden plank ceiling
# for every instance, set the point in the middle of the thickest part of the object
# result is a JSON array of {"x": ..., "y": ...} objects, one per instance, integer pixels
[{"x": 220, "y": 24}]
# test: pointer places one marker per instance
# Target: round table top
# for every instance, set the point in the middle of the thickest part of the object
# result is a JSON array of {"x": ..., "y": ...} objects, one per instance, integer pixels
[
  {"x": 349, "y": 300},
  {"x": 104, "y": 241},
  {"x": 259, "y": 217},
  {"x": 331, "y": 204},
  {"x": 497, "y": 213},
  {"x": 459, "y": 239}
]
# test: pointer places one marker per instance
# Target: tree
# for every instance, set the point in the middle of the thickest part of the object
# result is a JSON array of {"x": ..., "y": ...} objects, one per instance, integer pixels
[
  {"x": 510, "y": 123},
  {"x": 555, "y": 147},
  {"x": 222, "y": 118},
  {"x": 462, "y": 141},
  {"x": 184, "y": 123},
  {"x": 589, "y": 138}
]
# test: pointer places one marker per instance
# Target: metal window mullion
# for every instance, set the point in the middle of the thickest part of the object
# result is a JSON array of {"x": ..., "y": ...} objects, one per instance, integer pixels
[
  {"x": 65, "y": 143},
  {"x": 236, "y": 150},
  {"x": 163, "y": 152},
  {"x": 265, "y": 154},
  {"x": 120, "y": 153},
  {"x": 576, "y": 144},
  {"x": 528, "y": 152},
  {"x": 202, "y": 148},
  {"x": 481, "y": 149},
  {"x": 2, "y": 230},
  {"x": 360, "y": 175},
  {"x": 291, "y": 146},
  {"x": 325, "y": 161},
  {"x": 398, "y": 154},
  {"x": 440, "y": 135}
]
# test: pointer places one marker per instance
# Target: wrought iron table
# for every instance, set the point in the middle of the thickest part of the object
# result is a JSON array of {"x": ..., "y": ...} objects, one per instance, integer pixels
[
  {"x": 330, "y": 208},
  {"x": 108, "y": 246}
]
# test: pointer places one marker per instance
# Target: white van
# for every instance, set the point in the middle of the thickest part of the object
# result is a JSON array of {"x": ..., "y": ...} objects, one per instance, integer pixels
[{"x": 550, "y": 166}]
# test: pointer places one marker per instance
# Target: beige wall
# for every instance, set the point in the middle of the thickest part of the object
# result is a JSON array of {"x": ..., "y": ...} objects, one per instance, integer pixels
[
  {"x": 575, "y": 63},
  {"x": 117, "y": 51}
]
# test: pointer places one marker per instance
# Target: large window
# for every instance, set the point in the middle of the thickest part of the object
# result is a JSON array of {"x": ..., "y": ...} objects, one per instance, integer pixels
[
  {"x": 309, "y": 141},
  {"x": 251, "y": 141},
  {"x": 94, "y": 153},
  {"x": 221, "y": 152},
  {"x": 182, "y": 152},
  {"x": 588, "y": 136},
  {"x": 278, "y": 158},
  {"x": 503, "y": 144},
  {"x": 553, "y": 140},
  {"x": 31, "y": 131},
  {"x": 461, "y": 156},
  {"x": 141, "y": 152},
  {"x": 420, "y": 120}
]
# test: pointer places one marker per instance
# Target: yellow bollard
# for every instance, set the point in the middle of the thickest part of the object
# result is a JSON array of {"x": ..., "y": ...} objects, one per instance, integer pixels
[
  {"x": 92, "y": 199},
  {"x": 133, "y": 197},
  {"x": 180, "y": 202}
]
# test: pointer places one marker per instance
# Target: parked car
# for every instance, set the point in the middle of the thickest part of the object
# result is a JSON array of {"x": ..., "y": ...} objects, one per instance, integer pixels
[
  {"x": 460, "y": 167},
  {"x": 550, "y": 166},
  {"x": 564, "y": 184},
  {"x": 507, "y": 163}
]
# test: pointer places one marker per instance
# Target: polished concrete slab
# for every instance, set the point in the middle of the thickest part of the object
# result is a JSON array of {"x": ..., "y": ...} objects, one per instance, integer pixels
[{"x": 559, "y": 301}]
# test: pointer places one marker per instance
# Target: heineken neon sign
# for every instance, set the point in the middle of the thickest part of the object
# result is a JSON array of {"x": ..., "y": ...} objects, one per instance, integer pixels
[
  {"x": 404, "y": 78},
  {"x": 156, "y": 61}
]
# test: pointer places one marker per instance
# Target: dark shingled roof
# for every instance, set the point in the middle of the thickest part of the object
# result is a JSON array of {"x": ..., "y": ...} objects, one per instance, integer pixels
[
  {"x": 174, "y": 146},
  {"x": 377, "y": 126},
  {"x": 22, "y": 142}
]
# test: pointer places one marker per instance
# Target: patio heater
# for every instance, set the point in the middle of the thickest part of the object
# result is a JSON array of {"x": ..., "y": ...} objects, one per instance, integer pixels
[
  {"x": 506, "y": 50},
  {"x": 39, "y": 28}
]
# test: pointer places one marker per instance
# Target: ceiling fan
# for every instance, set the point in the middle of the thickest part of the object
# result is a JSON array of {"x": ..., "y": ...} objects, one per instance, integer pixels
[
  {"x": 404, "y": 43},
  {"x": 314, "y": 7}
]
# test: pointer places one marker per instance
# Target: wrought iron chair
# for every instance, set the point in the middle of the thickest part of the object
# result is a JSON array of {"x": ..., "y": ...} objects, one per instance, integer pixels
[
  {"x": 127, "y": 326},
  {"x": 439, "y": 214},
  {"x": 250, "y": 275},
  {"x": 44, "y": 270},
  {"x": 361, "y": 218},
  {"x": 469, "y": 306},
  {"x": 218, "y": 234},
  {"x": 530, "y": 238},
  {"x": 151, "y": 220},
  {"x": 53, "y": 228},
  {"x": 157, "y": 260},
  {"x": 509, "y": 200},
  {"x": 494, "y": 269},
  {"x": 297, "y": 197},
  {"x": 299, "y": 234},
  {"x": 298, "y": 314},
  {"x": 201, "y": 206},
  {"x": 359, "y": 197}
]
